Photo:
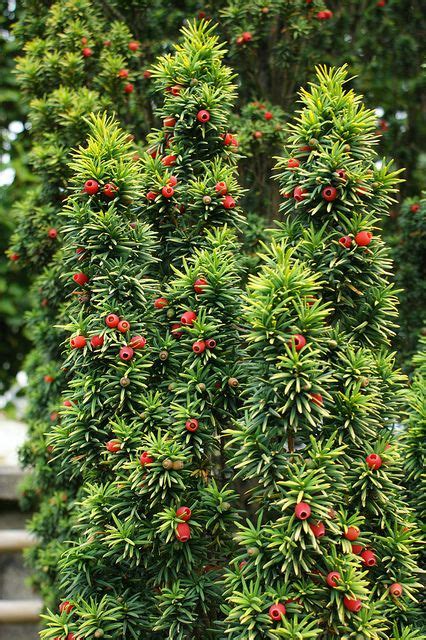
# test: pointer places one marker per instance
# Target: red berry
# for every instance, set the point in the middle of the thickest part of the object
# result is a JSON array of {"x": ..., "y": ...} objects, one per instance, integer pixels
[
  {"x": 368, "y": 558},
  {"x": 137, "y": 342},
  {"x": 381, "y": 3},
  {"x": 107, "y": 43},
  {"x": 170, "y": 121},
  {"x": 183, "y": 532},
  {"x": 113, "y": 445},
  {"x": 228, "y": 139},
  {"x": 276, "y": 611},
  {"x": 71, "y": 636},
  {"x": 97, "y": 341},
  {"x": 363, "y": 238},
  {"x": 172, "y": 181},
  {"x": 414, "y": 208},
  {"x": 129, "y": 87},
  {"x": 352, "y": 533},
  {"x": 49, "y": 378},
  {"x": 199, "y": 346},
  {"x": 329, "y": 193},
  {"x": 302, "y": 510},
  {"x": 167, "y": 191},
  {"x": 151, "y": 195},
  {"x": 169, "y": 161},
  {"x": 80, "y": 278},
  {"x": 84, "y": 40},
  {"x": 211, "y": 344},
  {"x": 396, "y": 589},
  {"x": 175, "y": 90},
  {"x": 87, "y": 52},
  {"x": 188, "y": 318},
  {"x": 67, "y": 403},
  {"x": 203, "y": 116},
  {"x": 160, "y": 303},
  {"x": 352, "y": 605},
  {"x": 268, "y": 115},
  {"x": 126, "y": 353},
  {"x": 123, "y": 73},
  {"x": 357, "y": 548},
  {"x": 228, "y": 202},
  {"x": 175, "y": 330},
  {"x": 78, "y": 342},
  {"x": 134, "y": 45},
  {"x": 123, "y": 326},
  {"x": 317, "y": 399},
  {"x": 374, "y": 461},
  {"x": 66, "y": 606},
  {"x": 184, "y": 513},
  {"x": 332, "y": 579},
  {"x": 324, "y": 15},
  {"x": 192, "y": 425},
  {"x": 345, "y": 241},
  {"x": 14, "y": 257},
  {"x": 110, "y": 190},
  {"x": 239, "y": 40},
  {"x": 341, "y": 173},
  {"x": 221, "y": 188},
  {"x": 298, "y": 341},
  {"x": 199, "y": 285},
  {"x": 52, "y": 233},
  {"x": 145, "y": 458},
  {"x": 292, "y": 163},
  {"x": 257, "y": 135},
  {"x": 112, "y": 320},
  {"x": 247, "y": 36},
  {"x": 318, "y": 529},
  {"x": 242, "y": 564},
  {"x": 299, "y": 194}
]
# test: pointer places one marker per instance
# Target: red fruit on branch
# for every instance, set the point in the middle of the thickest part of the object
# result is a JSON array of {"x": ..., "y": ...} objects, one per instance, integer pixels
[
  {"x": 97, "y": 341},
  {"x": 352, "y": 533},
  {"x": 113, "y": 445},
  {"x": 172, "y": 181},
  {"x": 396, "y": 590},
  {"x": 247, "y": 36},
  {"x": 345, "y": 241},
  {"x": 112, "y": 320},
  {"x": 183, "y": 532},
  {"x": 368, "y": 558},
  {"x": 160, "y": 303},
  {"x": 293, "y": 163},
  {"x": 169, "y": 161},
  {"x": 228, "y": 202},
  {"x": 302, "y": 511},
  {"x": 268, "y": 115},
  {"x": 126, "y": 353},
  {"x": 352, "y": 605},
  {"x": 188, "y": 318},
  {"x": 298, "y": 341},
  {"x": 52, "y": 233},
  {"x": 341, "y": 173},
  {"x": 192, "y": 425},
  {"x": 374, "y": 461},
  {"x": 129, "y": 87},
  {"x": 48, "y": 378},
  {"x": 299, "y": 194},
  {"x": 176, "y": 330},
  {"x": 67, "y": 403},
  {"x": 277, "y": 611},
  {"x": 357, "y": 549},
  {"x": 146, "y": 458},
  {"x": 318, "y": 529},
  {"x": 137, "y": 342},
  {"x": 87, "y": 52},
  {"x": 211, "y": 343},
  {"x": 80, "y": 278},
  {"x": 199, "y": 346},
  {"x": 14, "y": 257},
  {"x": 134, "y": 45},
  {"x": 221, "y": 188},
  {"x": 363, "y": 238},
  {"x": 175, "y": 90},
  {"x": 329, "y": 193},
  {"x": 332, "y": 579},
  {"x": 184, "y": 513},
  {"x": 170, "y": 121},
  {"x": 199, "y": 285},
  {"x": 123, "y": 73},
  {"x": 317, "y": 399},
  {"x": 203, "y": 116},
  {"x": 66, "y": 606},
  {"x": 414, "y": 208},
  {"x": 78, "y": 342},
  {"x": 110, "y": 190},
  {"x": 167, "y": 191},
  {"x": 123, "y": 326},
  {"x": 257, "y": 135}
]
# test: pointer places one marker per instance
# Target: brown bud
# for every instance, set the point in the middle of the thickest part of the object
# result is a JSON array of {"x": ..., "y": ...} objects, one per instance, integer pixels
[
  {"x": 313, "y": 142},
  {"x": 170, "y": 313},
  {"x": 332, "y": 344},
  {"x": 124, "y": 381},
  {"x": 142, "y": 415},
  {"x": 84, "y": 298},
  {"x": 226, "y": 506},
  {"x": 253, "y": 551},
  {"x": 163, "y": 355},
  {"x": 365, "y": 382},
  {"x": 167, "y": 464},
  {"x": 201, "y": 387},
  {"x": 307, "y": 386},
  {"x": 171, "y": 386},
  {"x": 347, "y": 148},
  {"x": 99, "y": 633},
  {"x": 207, "y": 199},
  {"x": 178, "y": 465},
  {"x": 233, "y": 383}
]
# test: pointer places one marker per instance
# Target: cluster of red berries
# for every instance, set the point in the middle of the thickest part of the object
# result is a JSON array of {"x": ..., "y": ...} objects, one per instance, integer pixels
[
  {"x": 324, "y": 15},
  {"x": 123, "y": 326},
  {"x": 167, "y": 191},
  {"x": 200, "y": 346},
  {"x": 244, "y": 38},
  {"x": 229, "y": 140},
  {"x": 361, "y": 239},
  {"x": 91, "y": 187},
  {"x": 67, "y": 607},
  {"x": 123, "y": 74},
  {"x": 183, "y": 530}
]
